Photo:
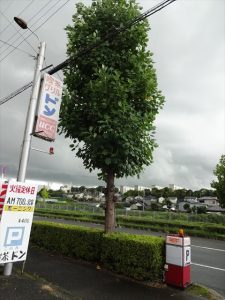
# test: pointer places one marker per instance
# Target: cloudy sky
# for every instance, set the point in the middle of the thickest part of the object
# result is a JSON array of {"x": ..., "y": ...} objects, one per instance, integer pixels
[{"x": 188, "y": 42}]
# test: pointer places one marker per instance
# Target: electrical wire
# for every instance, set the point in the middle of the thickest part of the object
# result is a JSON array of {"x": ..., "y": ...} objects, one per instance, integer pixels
[
  {"x": 113, "y": 33},
  {"x": 19, "y": 14},
  {"x": 10, "y": 3},
  {"x": 17, "y": 32},
  {"x": 17, "y": 92},
  {"x": 32, "y": 17},
  {"x": 16, "y": 48},
  {"x": 37, "y": 27}
]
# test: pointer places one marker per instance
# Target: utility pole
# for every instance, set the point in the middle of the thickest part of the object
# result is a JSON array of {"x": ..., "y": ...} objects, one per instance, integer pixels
[{"x": 25, "y": 149}]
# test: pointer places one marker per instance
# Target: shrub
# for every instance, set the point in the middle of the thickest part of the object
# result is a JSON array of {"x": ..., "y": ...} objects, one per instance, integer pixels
[
  {"x": 140, "y": 257},
  {"x": 78, "y": 242}
]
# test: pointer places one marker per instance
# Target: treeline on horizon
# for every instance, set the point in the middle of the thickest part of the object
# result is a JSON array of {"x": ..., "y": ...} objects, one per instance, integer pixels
[{"x": 164, "y": 192}]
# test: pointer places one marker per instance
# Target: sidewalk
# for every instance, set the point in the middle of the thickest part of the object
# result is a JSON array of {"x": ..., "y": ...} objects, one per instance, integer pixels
[{"x": 48, "y": 277}]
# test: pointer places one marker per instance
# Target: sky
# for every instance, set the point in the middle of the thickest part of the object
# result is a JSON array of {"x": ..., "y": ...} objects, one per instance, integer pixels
[{"x": 188, "y": 42}]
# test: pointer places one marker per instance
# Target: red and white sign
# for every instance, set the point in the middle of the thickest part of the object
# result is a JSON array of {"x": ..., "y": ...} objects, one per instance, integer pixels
[
  {"x": 3, "y": 190},
  {"x": 48, "y": 109},
  {"x": 177, "y": 240}
]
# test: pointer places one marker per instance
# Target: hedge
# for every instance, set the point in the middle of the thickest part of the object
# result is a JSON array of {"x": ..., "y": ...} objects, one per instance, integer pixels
[
  {"x": 74, "y": 241},
  {"x": 172, "y": 226},
  {"x": 139, "y": 257}
]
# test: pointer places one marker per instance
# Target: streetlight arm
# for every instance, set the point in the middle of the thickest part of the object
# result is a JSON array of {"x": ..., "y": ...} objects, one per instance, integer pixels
[{"x": 34, "y": 33}]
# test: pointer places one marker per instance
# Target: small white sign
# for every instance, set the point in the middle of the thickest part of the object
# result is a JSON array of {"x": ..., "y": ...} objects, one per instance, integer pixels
[
  {"x": 178, "y": 256},
  {"x": 16, "y": 221},
  {"x": 177, "y": 240},
  {"x": 48, "y": 109}
]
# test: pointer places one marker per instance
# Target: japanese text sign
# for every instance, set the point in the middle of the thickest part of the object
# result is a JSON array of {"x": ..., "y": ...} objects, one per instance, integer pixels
[
  {"x": 48, "y": 108},
  {"x": 16, "y": 221}
]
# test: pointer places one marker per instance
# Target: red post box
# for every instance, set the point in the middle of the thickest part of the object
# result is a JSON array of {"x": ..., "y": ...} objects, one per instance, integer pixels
[{"x": 178, "y": 260}]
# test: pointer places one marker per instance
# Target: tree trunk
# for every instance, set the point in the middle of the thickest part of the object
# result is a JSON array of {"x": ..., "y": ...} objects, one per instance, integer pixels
[{"x": 110, "y": 204}]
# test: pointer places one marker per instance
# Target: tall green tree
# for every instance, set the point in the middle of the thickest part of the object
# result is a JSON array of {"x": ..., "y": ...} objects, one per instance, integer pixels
[
  {"x": 111, "y": 97},
  {"x": 44, "y": 193},
  {"x": 219, "y": 185}
]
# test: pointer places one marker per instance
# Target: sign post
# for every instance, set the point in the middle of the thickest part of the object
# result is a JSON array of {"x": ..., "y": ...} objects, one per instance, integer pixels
[
  {"x": 16, "y": 221},
  {"x": 25, "y": 150},
  {"x": 178, "y": 260}
]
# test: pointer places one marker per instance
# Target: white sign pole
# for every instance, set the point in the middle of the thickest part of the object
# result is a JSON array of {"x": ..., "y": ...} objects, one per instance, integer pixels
[{"x": 25, "y": 151}]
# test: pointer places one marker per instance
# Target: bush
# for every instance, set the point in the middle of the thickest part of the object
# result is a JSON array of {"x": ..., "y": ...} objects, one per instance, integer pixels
[
  {"x": 139, "y": 257},
  {"x": 78, "y": 242},
  {"x": 145, "y": 222},
  {"x": 201, "y": 210}
]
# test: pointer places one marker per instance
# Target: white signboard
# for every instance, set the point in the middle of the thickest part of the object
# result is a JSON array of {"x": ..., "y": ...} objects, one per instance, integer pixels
[
  {"x": 178, "y": 256},
  {"x": 16, "y": 221},
  {"x": 48, "y": 109}
]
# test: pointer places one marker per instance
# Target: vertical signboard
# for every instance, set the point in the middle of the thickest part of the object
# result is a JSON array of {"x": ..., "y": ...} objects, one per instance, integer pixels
[
  {"x": 3, "y": 189},
  {"x": 48, "y": 109},
  {"x": 16, "y": 221}
]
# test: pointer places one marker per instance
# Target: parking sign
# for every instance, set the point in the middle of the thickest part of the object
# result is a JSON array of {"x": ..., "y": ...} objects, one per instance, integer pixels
[{"x": 16, "y": 221}]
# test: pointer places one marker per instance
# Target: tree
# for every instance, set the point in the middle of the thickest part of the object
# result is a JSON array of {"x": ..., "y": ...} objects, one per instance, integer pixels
[
  {"x": 44, "y": 193},
  {"x": 133, "y": 193},
  {"x": 156, "y": 192},
  {"x": 155, "y": 206},
  {"x": 111, "y": 96},
  {"x": 194, "y": 209},
  {"x": 168, "y": 203},
  {"x": 180, "y": 193},
  {"x": 187, "y": 207},
  {"x": 167, "y": 192},
  {"x": 219, "y": 185},
  {"x": 201, "y": 210}
]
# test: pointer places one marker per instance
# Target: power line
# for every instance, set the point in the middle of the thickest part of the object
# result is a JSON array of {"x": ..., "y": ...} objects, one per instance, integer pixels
[
  {"x": 23, "y": 36},
  {"x": 17, "y": 32},
  {"x": 17, "y": 92},
  {"x": 16, "y": 48},
  {"x": 113, "y": 33},
  {"x": 37, "y": 27},
  {"x": 19, "y": 14},
  {"x": 10, "y": 3}
]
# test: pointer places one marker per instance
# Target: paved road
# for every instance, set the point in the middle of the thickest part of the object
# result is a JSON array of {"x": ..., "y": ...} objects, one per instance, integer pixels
[{"x": 208, "y": 256}]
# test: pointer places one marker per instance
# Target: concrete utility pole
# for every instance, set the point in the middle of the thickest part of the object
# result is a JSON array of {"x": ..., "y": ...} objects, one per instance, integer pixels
[
  {"x": 24, "y": 156},
  {"x": 25, "y": 149}
]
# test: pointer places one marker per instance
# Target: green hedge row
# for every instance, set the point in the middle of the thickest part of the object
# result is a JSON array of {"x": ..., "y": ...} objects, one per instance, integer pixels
[
  {"x": 139, "y": 257},
  {"x": 199, "y": 228}
]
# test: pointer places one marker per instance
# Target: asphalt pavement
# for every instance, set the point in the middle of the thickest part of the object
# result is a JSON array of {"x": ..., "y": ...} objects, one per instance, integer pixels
[
  {"x": 208, "y": 255},
  {"x": 47, "y": 276}
]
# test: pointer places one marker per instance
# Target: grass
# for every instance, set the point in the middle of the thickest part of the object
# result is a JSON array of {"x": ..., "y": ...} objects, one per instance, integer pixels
[
  {"x": 201, "y": 229},
  {"x": 199, "y": 290}
]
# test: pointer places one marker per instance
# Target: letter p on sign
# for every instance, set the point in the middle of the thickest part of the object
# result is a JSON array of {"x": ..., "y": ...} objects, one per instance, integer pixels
[{"x": 14, "y": 236}]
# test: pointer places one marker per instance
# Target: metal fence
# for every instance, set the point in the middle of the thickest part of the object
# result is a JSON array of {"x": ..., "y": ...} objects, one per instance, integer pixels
[{"x": 91, "y": 208}]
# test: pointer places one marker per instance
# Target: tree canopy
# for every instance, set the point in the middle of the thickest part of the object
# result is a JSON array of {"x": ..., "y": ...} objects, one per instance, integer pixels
[
  {"x": 111, "y": 97},
  {"x": 219, "y": 185}
]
